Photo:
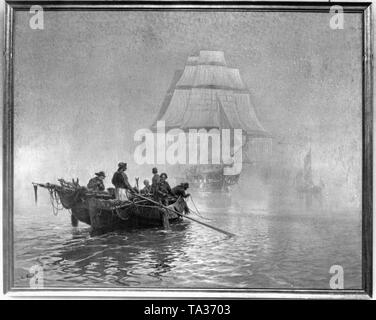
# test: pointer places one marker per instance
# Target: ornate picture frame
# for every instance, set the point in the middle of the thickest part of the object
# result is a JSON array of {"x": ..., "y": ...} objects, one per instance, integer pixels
[{"x": 361, "y": 8}]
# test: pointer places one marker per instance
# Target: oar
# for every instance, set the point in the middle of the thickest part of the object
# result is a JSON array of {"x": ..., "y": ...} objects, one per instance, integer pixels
[{"x": 182, "y": 215}]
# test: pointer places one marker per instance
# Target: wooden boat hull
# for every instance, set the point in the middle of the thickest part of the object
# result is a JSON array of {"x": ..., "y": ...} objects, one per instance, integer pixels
[
  {"x": 98, "y": 214},
  {"x": 104, "y": 213}
]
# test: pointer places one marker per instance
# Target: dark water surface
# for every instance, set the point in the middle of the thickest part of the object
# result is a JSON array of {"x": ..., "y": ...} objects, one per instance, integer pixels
[{"x": 271, "y": 249}]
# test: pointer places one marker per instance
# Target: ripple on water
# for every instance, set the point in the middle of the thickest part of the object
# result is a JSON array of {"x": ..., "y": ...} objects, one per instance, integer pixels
[{"x": 268, "y": 251}]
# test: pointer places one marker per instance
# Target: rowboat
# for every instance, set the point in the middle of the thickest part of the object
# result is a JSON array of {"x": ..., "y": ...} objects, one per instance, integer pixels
[{"x": 104, "y": 213}]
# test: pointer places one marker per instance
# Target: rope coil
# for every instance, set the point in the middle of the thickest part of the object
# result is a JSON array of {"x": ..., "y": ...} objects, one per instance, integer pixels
[{"x": 55, "y": 202}]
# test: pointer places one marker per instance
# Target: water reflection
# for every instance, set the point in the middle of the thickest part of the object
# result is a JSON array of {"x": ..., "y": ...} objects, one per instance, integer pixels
[{"x": 272, "y": 249}]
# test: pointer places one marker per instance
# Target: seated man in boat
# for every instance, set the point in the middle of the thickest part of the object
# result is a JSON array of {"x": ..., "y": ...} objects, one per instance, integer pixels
[
  {"x": 146, "y": 190},
  {"x": 96, "y": 183},
  {"x": 121, "y": 183},
  {"x": 180, "y": 190},
  {"x": 154, "y": 183},
  {"x": 164, "y": 190}
]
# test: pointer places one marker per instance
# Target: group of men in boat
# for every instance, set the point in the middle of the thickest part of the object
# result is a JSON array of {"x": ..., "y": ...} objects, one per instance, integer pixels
[{"x": 159, "y": 189}]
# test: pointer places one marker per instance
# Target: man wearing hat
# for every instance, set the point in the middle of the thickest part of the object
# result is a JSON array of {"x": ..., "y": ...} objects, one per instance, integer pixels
[
  {"x": 180, "y": 190},
  {"x": 121, "y": 183},
  {"x": 96, "y": 183},
  {"x": 164, "y": 189}
]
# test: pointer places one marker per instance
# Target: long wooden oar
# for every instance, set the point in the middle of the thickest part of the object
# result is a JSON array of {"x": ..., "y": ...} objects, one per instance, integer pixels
[{"x": 185, "y": 216}]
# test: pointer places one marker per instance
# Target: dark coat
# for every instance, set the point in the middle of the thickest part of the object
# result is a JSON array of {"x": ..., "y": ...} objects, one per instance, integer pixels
[
  {"x": 179, "y": 191},
  {"x": 120, "y": 180},
  {"x": 146, "y": 190},
  {"x": 154, "y": 183},
  {"x": 164, "y": 189},
  {"x": 96, "y": 184}
]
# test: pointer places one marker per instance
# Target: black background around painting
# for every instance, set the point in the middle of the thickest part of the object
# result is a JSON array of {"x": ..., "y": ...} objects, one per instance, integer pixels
[{"x": 135, "y": 309}]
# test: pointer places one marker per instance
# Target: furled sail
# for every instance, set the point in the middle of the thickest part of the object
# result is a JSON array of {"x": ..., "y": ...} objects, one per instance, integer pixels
[
  {"x": 209, "y": 94},
  {"x": 211, "y": 76}
]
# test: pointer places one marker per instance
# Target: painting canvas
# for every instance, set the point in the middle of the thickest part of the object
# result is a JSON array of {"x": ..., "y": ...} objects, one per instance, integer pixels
[{"x": 188, "y": 149}]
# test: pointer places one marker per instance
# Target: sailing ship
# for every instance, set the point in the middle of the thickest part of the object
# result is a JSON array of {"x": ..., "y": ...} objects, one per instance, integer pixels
[{"x": 208, "y": 94}]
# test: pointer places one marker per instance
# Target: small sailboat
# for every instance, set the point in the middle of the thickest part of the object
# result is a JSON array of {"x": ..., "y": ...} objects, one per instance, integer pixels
[{"x": 305, "y": 187}]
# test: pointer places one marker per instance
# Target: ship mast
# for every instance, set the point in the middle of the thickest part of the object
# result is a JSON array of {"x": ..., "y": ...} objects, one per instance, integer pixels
[{"x": 210, "y": 94}]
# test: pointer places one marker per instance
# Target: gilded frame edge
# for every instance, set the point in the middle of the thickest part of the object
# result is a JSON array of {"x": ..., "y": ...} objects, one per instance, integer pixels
[{"x": 365, "y": 8}]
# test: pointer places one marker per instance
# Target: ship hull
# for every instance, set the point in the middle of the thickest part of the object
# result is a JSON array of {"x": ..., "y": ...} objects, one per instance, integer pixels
[{"x": 211, "y": 185}]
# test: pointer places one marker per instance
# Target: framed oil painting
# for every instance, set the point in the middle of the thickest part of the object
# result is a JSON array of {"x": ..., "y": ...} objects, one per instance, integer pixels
[{"x": 188, "y": 149}]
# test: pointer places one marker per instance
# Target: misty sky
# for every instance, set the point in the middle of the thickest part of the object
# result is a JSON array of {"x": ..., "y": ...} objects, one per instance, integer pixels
[{"x": 89, "y": 80}]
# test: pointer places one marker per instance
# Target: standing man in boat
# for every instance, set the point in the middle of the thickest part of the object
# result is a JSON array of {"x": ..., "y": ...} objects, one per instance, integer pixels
[
  {"x": 96, "y": 183},
  {"x": 154, "y": 183},
  {"x": 164, "y": 189},
  {"x": 121, "y": 183}
]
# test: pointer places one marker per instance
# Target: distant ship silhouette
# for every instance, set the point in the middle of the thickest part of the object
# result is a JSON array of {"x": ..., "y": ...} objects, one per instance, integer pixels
[{"x": 208, "y": 94}]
